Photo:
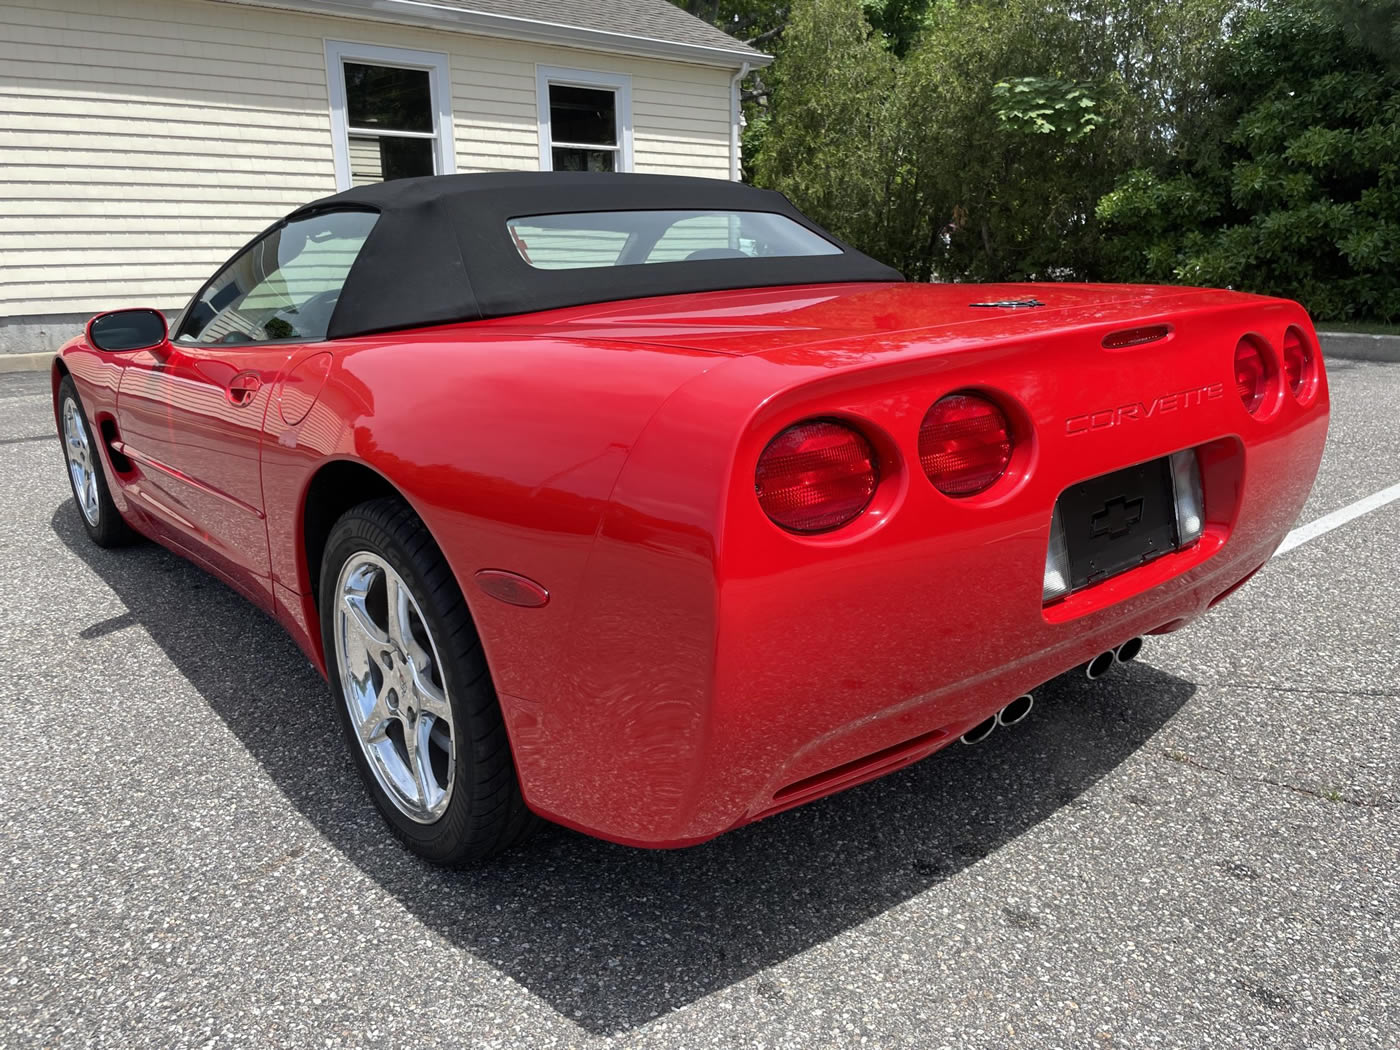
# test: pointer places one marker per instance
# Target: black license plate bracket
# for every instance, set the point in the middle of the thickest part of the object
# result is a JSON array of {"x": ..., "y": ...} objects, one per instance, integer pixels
[{"x": 1118, "y": 521}]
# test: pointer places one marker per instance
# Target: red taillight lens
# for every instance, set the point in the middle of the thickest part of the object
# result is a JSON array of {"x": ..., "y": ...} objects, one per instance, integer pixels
[
  {"x": 816, "y": 476},
  {"x": 964, "y": 444},
  {"x": 1251, "y": 374},
  {"x": 1298, "y": 365}
]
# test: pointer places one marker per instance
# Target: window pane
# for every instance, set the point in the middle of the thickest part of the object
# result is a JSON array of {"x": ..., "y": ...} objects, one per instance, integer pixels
[
  {"x": 375, "y": 159},
  {"x": 285, "y": 286},
  {"x": 388, "y": 97},
  {"x": 587, "y": 116},
  {"x": 548, "y": 248},
  {"x": 698, "y": 233},
  {"x": 622, "y": 238},
  {"x": 584, "y": 159}
]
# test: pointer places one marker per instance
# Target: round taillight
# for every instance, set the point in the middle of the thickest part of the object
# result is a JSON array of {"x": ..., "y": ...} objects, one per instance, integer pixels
[
  {"x": 1252, "y": 374},
  {"x": 1298, "y": 366},
  {"x": 964, "y": 444},
  {"x": 816, "y": 476}
]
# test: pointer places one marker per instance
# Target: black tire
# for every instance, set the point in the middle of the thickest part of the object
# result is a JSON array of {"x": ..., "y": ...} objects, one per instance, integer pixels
[
  {"x": 109, "y": 529},
  {"x": 485, "y": 812}
]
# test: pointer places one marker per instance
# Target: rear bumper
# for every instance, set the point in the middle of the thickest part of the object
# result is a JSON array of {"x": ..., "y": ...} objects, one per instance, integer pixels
[
  {"x": 781, "y": 738},
  {"x": 722, "y": 677},
  {"x": 827, "y": 682},
  {"x": 896, "y": 731}
]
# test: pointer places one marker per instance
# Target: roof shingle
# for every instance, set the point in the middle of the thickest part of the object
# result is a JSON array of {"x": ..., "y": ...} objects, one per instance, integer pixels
[{"x": 648, "y": 19}]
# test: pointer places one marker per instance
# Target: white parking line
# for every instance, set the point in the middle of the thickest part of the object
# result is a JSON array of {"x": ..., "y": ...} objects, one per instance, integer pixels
[{"x": 1337, "y": 518}]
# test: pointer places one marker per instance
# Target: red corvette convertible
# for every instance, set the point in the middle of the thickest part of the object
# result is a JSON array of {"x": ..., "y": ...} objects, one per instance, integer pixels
[{"x": 645, "y": 505}]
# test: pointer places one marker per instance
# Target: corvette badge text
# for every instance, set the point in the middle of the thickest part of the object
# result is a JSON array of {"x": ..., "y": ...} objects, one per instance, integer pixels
[{"x": 1138, "y": 410}]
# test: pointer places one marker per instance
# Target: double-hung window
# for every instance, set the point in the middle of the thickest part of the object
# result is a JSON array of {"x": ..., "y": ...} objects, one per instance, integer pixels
[
  {"x": 585, "y": 120},
  {"x": 391, "y": 114}
]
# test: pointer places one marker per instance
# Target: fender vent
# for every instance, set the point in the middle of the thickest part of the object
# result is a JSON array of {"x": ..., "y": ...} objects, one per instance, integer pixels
[{"x": 120, "y": 463}]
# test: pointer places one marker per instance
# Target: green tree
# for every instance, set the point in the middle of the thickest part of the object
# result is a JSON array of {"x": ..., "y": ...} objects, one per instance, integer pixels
[
  {"x": 982, "y": 153},
  {"x": 754, "y": 21},
  {"x": 828, "y": 142},
  {"x": 1291, "y": 188},
  {"x": 763, "y": 22},
  {"x": 1018, "y": 115},
  {"x": 1372, "y": 24}
]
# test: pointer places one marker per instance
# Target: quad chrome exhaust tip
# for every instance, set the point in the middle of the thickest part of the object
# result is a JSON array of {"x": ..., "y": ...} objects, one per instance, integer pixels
[
  {"x": 1016, "y": 711},
  {"x": 1100, "y": 665},
  {"x": 980, "y": 731},
  {"x": 1122, "y": 654},
  {"x": 1009, "y": 715},
  {"x": 1128, "y": 650}
]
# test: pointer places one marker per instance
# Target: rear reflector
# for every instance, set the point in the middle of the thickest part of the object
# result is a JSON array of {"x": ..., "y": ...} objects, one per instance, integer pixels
[
  {"x": 1252, "y": 374},
  {"x": 816, "y": 476},
  {"x": 1135, "y": 336},
  {"x": 964, "y": 444}
]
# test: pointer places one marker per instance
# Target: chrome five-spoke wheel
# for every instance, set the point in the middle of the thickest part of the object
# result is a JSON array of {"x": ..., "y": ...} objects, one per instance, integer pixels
[
  {"x": 81, "y": 467},
  {"x": 394, "y": 689},
  {"x": 413, "y": 693}
]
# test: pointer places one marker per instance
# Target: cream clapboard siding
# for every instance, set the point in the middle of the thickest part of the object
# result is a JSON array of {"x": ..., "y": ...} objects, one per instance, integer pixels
[{"x": 143, "y": 141}]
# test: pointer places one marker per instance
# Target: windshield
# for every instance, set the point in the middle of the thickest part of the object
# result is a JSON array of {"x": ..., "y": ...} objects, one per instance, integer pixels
[{"x": 581, "y": 240}]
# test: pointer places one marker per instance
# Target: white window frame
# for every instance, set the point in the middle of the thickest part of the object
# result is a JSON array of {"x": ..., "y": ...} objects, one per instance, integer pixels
[
  {"x": 338, "y": 52},
  {"x": 621, "y": 86}
]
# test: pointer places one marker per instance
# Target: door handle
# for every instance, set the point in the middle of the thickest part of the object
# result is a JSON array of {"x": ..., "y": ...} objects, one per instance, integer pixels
[{"x": 242, "y": 387}]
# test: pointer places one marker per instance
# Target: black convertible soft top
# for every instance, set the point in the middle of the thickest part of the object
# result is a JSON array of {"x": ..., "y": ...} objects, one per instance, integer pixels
[{"x": 441, "y": 250}]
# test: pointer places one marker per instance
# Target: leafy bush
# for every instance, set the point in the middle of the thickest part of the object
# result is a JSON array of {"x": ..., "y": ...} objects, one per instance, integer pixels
[
  {"x": 1246, "y": 143},
  {"x": 1293, "y": 190},
  {"x": 982, "y": 153}
]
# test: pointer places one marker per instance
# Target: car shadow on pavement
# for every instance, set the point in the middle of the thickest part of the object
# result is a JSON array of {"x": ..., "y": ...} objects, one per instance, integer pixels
[{"x": 612, "y": 937}]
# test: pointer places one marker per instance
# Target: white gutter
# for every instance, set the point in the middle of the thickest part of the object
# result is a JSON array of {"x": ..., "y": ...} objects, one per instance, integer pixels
[
  {"x": 482, "y": 23},
  {"x": 736, "y": 120}
]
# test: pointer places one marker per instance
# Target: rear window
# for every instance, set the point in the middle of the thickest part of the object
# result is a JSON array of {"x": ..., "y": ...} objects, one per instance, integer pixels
[{"x": 583, "y": 240}]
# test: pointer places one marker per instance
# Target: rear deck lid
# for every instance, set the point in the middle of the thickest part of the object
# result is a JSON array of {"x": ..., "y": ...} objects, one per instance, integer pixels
[{"x": 762, "y": 320}]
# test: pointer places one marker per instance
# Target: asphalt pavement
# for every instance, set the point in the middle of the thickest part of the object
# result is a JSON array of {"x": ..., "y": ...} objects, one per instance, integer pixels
[{"x": 1200, "y": 850}]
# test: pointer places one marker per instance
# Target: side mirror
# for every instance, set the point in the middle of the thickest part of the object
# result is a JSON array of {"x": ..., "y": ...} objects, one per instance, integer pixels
[{"x": 123, "y": 330}]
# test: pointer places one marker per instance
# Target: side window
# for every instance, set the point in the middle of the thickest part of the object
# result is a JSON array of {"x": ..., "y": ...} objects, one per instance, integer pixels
[{"x": 283, "y": 286}]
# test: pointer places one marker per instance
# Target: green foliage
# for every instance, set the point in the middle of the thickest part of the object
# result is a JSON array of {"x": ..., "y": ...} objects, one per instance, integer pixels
[
  {"x": 897, "y": 22},
  {"x": 1372, "y": 24},
  {"x": 743, "y": 19},
  {"x": 828, "y": 140},
  {"x": 982, "y": 152},
  {"x": 1247, "y": 143},
  {"x": 764, "y": 22},
  {"x": 1046, "y": 106},
  {"x": 976, "y": 196},
  {"x": 1293, "y": 189}
]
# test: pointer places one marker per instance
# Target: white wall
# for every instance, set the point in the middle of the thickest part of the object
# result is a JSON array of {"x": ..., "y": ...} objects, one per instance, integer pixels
[{"x": 142, "y": 142}]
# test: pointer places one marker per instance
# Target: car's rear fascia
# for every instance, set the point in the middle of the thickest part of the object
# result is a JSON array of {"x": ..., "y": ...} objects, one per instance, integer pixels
[{"x": 726, "y": 669}]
